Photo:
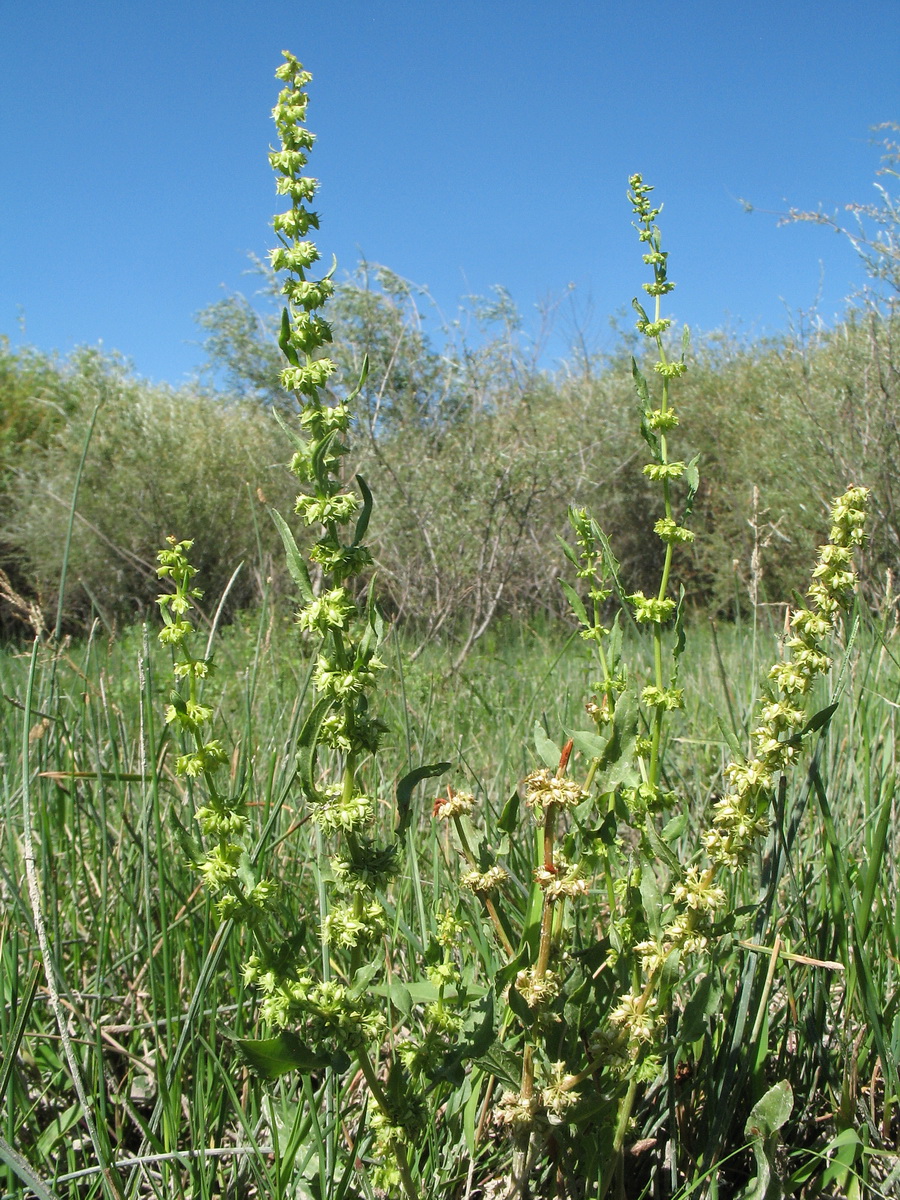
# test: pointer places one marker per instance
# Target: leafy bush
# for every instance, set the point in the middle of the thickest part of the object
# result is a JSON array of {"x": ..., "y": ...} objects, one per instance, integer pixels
[{"x": 157, "y": 459}]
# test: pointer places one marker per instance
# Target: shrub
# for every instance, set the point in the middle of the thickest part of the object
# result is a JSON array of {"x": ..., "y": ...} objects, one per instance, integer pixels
[{"x": 158, "y": 458}]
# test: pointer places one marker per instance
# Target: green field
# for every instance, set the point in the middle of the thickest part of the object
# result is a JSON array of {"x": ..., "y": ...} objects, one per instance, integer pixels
[
  {"x": 150, "y": 995},
  {"x": 523, "y": 833}
]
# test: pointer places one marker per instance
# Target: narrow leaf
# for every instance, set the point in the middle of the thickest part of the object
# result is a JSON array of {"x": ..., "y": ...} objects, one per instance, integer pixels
[
  {"x": 576, "y": 603},
  {"x": 639, "y": 309},
  {"x": 307, "y": 745},
  {"x": 509, "y": 817},
  {"x": 296, "y": 441},
  {"x": 362, "y": 521},
  {"x": 405, "y": 790},
  {"x": 284, "y": 339},
  {"x": 360, "y": 383},
  {"x": 295, "y": 563},
  {"x": 569, "y": 551},
  {"x": 819, "y": 721},
  {"x": 640, "y": 384}
]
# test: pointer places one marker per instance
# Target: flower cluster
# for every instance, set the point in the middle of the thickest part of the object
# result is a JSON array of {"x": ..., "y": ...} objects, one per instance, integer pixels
[
  {"x": 517, "y": 1111},
  {"x": 538, "y": 988},
  {"x": 544, "y": 790},
  {"x": 454, "y": 804},
  {"x": 562, "y": 880},
  {"x": 224, "y": 868},
  {"x": 482, "y": 883},
  {"x": 636, "y": 1015},
  {"x": 741, "y": 816}
]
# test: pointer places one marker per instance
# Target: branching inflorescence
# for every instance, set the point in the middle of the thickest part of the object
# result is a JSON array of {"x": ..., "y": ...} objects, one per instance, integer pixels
[{"x": 581, "y": 953}]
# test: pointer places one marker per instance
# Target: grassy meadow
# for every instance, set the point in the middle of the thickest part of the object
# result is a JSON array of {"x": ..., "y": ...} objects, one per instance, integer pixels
[
  {"x": 524, "y": 833},
  {"x": 149, "y": 984}
]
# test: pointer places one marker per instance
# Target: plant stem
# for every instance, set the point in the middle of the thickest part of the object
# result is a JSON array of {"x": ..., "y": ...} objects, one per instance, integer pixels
[{"x": 397, "y": 1146}]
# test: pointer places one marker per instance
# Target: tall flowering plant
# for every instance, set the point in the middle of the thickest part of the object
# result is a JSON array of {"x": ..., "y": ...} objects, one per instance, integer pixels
[{"x": 542, "y": 995}]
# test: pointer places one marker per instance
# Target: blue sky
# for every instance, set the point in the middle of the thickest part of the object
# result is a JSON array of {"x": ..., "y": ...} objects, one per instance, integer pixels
[{"x": 463, "y": 143}]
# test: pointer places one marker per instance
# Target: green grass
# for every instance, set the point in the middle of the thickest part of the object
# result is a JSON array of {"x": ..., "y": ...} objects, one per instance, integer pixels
[{"x": 150, "y": 996}]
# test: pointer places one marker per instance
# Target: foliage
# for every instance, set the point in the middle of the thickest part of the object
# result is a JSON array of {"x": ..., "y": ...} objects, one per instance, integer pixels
[
  {"x": 157, "y": 459},
  {"x": 155, "y": 986},
  {"x": 549, "y": 987}
]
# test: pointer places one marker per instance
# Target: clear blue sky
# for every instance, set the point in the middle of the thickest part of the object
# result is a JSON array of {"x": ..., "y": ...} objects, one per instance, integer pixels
[{"x": 463, "y": 143}]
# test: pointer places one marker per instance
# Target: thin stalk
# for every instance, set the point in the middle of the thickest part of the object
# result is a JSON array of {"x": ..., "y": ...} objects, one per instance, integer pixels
[
  {"x": 397, "y": 1147},
  {"x": 67, "y": 544}
]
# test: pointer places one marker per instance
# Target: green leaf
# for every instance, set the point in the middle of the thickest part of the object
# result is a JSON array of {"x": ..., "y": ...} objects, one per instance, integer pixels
[
  {"x": 640, "y": 383},
  {"x": 643, "y": 394},
  {"x": 576, "y": 603},
  {"x": 703, "y": 1004},
  {"x": 660, "y": 849},
  {"x": 17, "y": 1163},
  {"x": 362, "y": 977},
  {"x": 692, "y": 479},
  {"x": 295, "y": 563},
  {"x": 846, "y": 1147},
  {"x": 819, "y": 721},
  {"x": 651, "y": 898},
  {"x": 320, "y": 452},
  {"x": 423, "y": 991},
  {"x": 678, "y": 648},
  {"x": 770, "y": 1112},
  {"x": 615, "y": 756},
  {"x": 284, "y": 339},
  {"x": 400, "y": 996},
  {"x": 273, "y": 1057},
  {"x": 405, "y": 790},
  {"x": 606, "y": 831},
  {"x": 361, "y": 382},
  {"x": 501, "y": 1063},
  {"x": 548, "y": 751},
  {"x": 640, "y": 310},
  {"x": 588, "y": 742},
  {"x": 673, "y": 829},
  {"x": 362, "y": 521},
  {"x": 478, "y": 1038},
  {"x": 766, "y": 1117},
  {"x": 307, "y": 744},
  {"x": 569, "y": 551},
  {"x": 58, "y": 1128},
  {"x": 509, "y": 817},
  {"x": 296, "y": 441}
]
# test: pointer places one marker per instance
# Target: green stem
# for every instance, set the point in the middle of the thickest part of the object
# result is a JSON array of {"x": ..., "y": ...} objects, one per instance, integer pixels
[{"x": 397, "y": 1146}]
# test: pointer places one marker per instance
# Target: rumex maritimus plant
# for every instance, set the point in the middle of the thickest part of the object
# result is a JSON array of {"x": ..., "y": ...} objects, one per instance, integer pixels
[{"x": 546, "y": 988}]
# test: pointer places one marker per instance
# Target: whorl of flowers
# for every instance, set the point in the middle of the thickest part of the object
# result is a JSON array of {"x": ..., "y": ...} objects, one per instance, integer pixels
[
  {"x": 222, "y": 816},
  {"x": 543, "y": 789},
  {"x": 741, "y": 816}
]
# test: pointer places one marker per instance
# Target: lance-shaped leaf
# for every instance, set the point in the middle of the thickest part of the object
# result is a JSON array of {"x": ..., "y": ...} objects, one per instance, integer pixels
[
  {"x": 362, "y": 521},
  {"x": 405, "y": 790},
  {"x": 284, "y": 339},
  {"x": 547, "y": 749},
  {"x": 360, "y": 383},
  {"x": 643, "y": 393},
  {"x": 296, "y": 565},
  {"x": 308, "y": 744},
  {"x": 320, "y": 453},
  {"x": 296, "y": 441},
  {"x": 575, "y": 602}
]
